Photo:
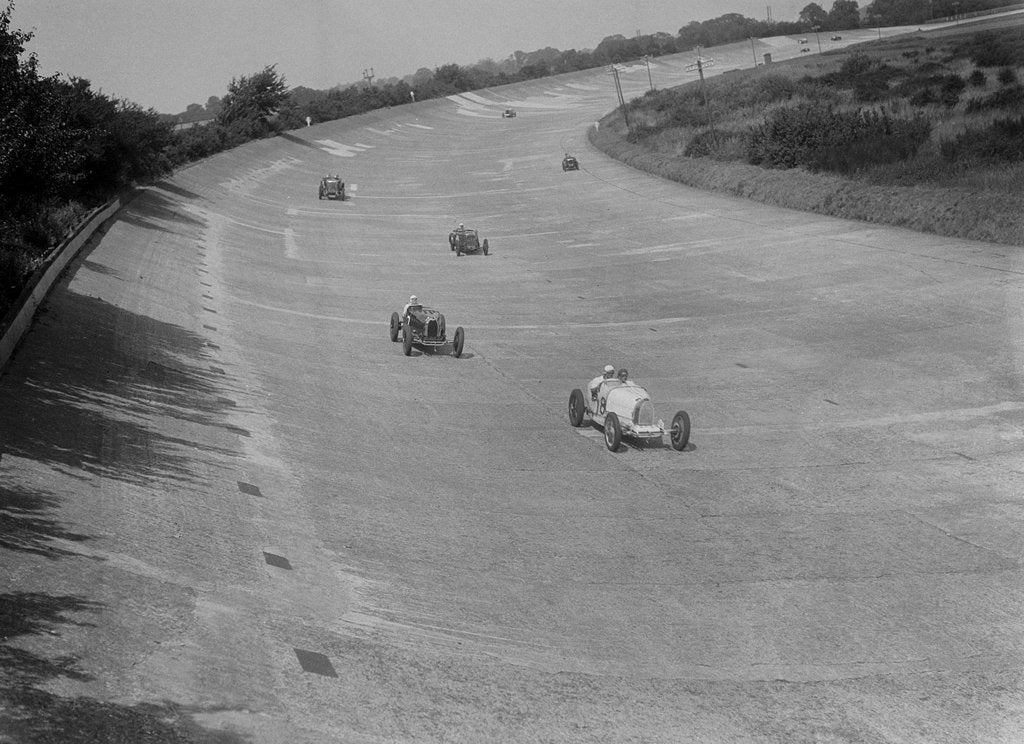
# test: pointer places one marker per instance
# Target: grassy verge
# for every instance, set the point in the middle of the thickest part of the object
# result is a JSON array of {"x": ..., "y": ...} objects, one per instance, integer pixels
[{"x": 942, "y": 182}]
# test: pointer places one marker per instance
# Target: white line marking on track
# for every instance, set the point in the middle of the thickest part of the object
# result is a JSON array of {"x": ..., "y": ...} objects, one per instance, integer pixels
[{"x": 503, "y": 327}]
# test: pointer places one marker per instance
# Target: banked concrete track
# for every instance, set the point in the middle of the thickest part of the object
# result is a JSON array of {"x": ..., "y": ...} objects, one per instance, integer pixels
[{"x": 233, "y": 510}]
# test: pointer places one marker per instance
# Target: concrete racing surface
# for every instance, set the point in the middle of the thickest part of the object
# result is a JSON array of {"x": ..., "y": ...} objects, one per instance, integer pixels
[{"x": 231, "y": 509}]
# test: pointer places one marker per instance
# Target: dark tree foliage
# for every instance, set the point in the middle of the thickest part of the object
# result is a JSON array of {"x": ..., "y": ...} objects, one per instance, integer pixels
[
  {"x": 908, "y": 12},
  {"x": 1001, "y": 141},
  {"x": 37, "y": 138},
  {"x": 63, "y": 147},
  {"x": 822, "y": 138},
  {"x": 251, "y": 100}
]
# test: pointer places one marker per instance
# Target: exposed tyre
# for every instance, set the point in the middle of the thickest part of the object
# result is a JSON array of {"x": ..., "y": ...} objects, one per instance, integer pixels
[
  {"x": 396, "y": 323},
  {"x": 407, "y": 340},
  {"x": 576, "y": 407},
  {"x": 458, "y": 251},
  {"x": 612, "y": 432},
  {"x": 440, "y": 325},
  {"x": 459, "y": 342},
  {"x": 486, "y": 247},
  {"x": 679, "y": 434}
]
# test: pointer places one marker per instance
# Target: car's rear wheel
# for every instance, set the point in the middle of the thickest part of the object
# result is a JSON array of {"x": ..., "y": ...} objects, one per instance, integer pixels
[
  {"x": 459, "y": 342},
  {"x": 612, "y": 432},
  {"x": 407, "y": 340},
  {"x": 486, "y": 247},
  {"x": 576, "y": 407},
  {"x": 396, "y": 323},
  {"x": 679, "y": 433}
]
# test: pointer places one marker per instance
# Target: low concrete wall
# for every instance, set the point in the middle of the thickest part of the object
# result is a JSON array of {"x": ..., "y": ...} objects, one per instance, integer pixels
[{"x": 18, "y": 320}]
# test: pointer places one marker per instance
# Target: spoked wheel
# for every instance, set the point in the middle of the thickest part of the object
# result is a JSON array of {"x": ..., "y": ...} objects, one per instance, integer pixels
[
  {"x": 576, "y": 407},
  {"x": 612, "y": 432},
  {"x": 396, "y": 324},
  {"x": 407, "y": 340},
  {"x": 679, "y": 434},
  {"x": 457, "y": 344}
]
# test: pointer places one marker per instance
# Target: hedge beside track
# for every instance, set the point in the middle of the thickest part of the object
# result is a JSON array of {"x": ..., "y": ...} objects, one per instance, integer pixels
[
  {"x": 950, "y": 212},
  {"x": 19, "y": 318}
]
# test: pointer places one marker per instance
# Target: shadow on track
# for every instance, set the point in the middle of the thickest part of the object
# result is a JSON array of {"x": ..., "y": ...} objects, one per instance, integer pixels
[
  {"x": 31, "y": 714},
  {"x": 100, "y": 389}
]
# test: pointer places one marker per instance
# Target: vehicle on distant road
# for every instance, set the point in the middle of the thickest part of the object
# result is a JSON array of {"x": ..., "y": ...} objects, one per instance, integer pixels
[
  {"x": 331, "y": 187},
  {"x": 425, "y": 327},
  {"x": 801, "y": 41},
  {"x": 467, "y": 240},
  {"x": 624, "y": 409},
  {"x": 508, "y": 114},
  {"x": 569, "y": 162},
  {"x": 837, "y": 38}
]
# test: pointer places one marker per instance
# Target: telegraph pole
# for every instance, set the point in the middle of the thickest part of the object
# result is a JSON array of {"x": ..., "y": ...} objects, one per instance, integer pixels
[
  {"x": 699, "y": 66},
  {"x": 614, "y": 71}
]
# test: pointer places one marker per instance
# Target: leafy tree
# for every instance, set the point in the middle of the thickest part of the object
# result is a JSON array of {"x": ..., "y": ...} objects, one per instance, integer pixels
[
  {"x": 37, "y": 142},
  {"x": 813, "y": 15},
  {"x": 250, "y": 101},
  {"x": 844, "y": 14}
]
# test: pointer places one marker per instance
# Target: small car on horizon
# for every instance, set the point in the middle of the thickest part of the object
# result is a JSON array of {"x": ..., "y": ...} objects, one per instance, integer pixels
[
  {"x": 624, "y": 409},
  {"x": 467, "y": 240},
  {"x": 508, "y": 114},
  {"x": 331, "y": 187},
  {"x": 425, "y": 328}
]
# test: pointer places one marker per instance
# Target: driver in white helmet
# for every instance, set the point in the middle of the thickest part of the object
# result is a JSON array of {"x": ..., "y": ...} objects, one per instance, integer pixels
[
  {"x": 412, "y": 304},
  {"x": 595, "y": 384}
]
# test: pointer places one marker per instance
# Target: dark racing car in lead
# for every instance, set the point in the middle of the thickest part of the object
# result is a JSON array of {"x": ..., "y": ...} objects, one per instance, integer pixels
[{"x": 424, "y": 327}]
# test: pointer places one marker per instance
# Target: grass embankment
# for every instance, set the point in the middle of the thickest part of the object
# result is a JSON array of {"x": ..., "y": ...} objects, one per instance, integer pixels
[{"x": 923, "y": 131}]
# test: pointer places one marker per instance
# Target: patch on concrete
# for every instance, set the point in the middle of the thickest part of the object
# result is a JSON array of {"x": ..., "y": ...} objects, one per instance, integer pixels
[
  {"x": 277, "y": 561},
  {"x": 315, "y": 663},
  {"x": 249, "y": 488}
]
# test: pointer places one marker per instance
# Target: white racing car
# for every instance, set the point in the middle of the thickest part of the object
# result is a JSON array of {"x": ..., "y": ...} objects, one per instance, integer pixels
[{"x": 625, "y": 409}]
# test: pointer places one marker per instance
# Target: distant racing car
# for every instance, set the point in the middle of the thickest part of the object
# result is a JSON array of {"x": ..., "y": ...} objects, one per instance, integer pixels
[
  {"x": 508, "y": 114},
  {"x": 466, "y": 240},
  {"x": 569, "y": 162},
  {"x": 624, "y": 409},
  {"x": 331, "y": 187},
  {"x": 426, "y": 328}
]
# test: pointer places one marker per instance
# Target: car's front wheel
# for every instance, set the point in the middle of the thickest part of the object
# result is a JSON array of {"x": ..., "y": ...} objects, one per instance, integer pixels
[
  {"x": 459, "y": 342},
  {"x": 406, "y": 340},
  {"x": 486, "y": 247},
  {"x": 612, "y": 432},
  {"x": 679, "y": 433},
  {"x": 576, "y": 407},
  {"x": 396, "y": 323}
]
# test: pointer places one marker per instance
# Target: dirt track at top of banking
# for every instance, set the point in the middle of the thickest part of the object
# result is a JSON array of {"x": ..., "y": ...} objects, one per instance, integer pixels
[{"x": 272, "y": 520}]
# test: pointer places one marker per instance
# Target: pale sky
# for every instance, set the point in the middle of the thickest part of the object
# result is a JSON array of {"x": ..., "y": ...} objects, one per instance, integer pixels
[{"x": 166, "y": 54}]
